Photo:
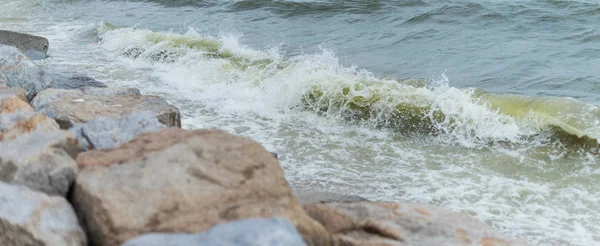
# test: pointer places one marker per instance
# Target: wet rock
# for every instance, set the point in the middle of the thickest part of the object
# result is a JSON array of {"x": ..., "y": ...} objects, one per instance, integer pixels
[
  {"x": 312, "y": 197},
  {"x": 119, "y": 91},
  {"x": 108, "y": 132},
  {"x": 17, "y": 71},
  {"x": 35, "y": 123},
  {"x": 173, "y": 180},
  {"x": 248, "y": 232},
  {"x": 41, "y": 161},
  {"x": 35, "y": 47},
  {"x": 61, "y": 81},
  {"x": 367, "y": 223},
  {"x": 28, "y": 217},
  {"x": 71, "y": 107}
]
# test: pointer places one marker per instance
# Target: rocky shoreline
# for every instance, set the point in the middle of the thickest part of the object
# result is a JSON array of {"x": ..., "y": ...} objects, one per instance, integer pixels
[{"x": 86, "y": 164}]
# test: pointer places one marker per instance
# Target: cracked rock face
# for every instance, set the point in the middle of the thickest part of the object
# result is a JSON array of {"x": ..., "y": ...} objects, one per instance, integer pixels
[
  {"x": 402, "y": 224},
  {"x": 175, "y": 180}
]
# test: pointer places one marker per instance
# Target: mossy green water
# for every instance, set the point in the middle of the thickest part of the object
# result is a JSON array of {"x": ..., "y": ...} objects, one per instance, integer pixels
[{"x": 409, "y": 108}]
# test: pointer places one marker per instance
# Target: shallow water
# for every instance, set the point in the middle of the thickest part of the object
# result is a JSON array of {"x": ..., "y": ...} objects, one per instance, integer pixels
[{"x": 505, "y": 126}]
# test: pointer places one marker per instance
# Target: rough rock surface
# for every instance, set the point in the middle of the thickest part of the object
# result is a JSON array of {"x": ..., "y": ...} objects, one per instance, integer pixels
[
  {"x": 12, "y": 111},
  {"x": 13, "y": 104},
  {"x": 248, "y": 232},
  {"x": 35, "y": 47},
  {"x": 28, "y": 217},
  {"x": 108, "y": 132},
  {"x": 35, "y": 123},
  {"x": 65, "y": 81},
  {"x": 174, "y": 180},
  {"x": 7, "y": 92},
  {"x": 312, "y": 197},
  {"x": 8, "y": 120},
  {"x": 16, "y": 70},
  {"x": 71, "y": 107},
  {"x": 366, "y": 223},
  {"x": 41, "y": 160}
]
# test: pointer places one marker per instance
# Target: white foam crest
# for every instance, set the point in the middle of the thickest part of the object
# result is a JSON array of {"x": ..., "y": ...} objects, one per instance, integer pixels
[
  {"x": 469, "y": 121},
  {"x": 235, "y": 82}
]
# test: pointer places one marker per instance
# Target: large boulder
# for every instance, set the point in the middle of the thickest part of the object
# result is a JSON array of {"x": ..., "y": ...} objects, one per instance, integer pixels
[
  {"x": 16, "y": 70},
  {"x": 28, "y": 217},
  {"x": 108, "y": 132},
  {"x": 41, "y": 160},
  {"x": 248, "y": 232},
  {"x": 71, "y": 107},
  {"x": 174, "y": 180},
  {"x": 366, "y": 223},
  {"x": 35, "y": 47}
]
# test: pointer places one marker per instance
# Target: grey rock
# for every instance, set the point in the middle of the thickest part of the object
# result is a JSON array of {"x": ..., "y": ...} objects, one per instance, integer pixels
[
  {"x": 35, "y": 47},
  {"x": 73, "y": 82},
  {"x": 28, "y": 217},
  {"x": 71, "y": 107},
  {"x": 108, "y": 132},
  {"x": 118, "y": 91},
  {"x": 312, "y": 197},
  {"x": 248, "y": 232},
  {"x": 41, "y": 161},
  {"x": 16, "y": 70}
]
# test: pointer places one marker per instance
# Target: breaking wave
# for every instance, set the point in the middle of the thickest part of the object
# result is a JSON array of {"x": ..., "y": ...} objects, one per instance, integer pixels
[{"x": 320, "y": 83}]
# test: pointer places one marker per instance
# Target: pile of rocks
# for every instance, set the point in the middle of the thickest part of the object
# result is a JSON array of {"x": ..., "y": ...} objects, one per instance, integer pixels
[{"x": 110, "y": 166}]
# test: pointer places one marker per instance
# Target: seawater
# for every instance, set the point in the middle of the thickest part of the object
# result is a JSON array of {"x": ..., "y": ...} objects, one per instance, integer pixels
[{"x": 501, "y": 121}]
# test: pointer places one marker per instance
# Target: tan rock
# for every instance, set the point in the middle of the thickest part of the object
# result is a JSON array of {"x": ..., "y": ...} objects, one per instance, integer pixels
[
  {"x": 70, "y": 107},
  {"x": 35, "y": 123},
  {"x": 13, "y": 107},
  {"x": 14, "y": 104},
  {"x": 174, "y": 180},
  {"x": 366, "y": 223},
  {"x": 7, "y": 92}
]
